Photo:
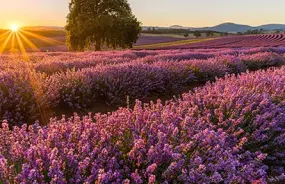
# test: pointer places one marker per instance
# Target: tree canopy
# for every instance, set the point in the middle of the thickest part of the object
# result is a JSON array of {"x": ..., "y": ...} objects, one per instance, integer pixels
[
  {"x": 197, "y": 34},
  {"x": 97, "y": 23}
]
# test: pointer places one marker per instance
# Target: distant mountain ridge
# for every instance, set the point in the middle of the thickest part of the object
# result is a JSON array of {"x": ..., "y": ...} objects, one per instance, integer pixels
[
  {"x": 231, "y": 27},
  {"x": 228, "y": 27}
]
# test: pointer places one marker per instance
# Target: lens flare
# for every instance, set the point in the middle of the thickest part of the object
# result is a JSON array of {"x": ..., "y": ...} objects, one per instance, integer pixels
[{"x": 14, "y": 28}]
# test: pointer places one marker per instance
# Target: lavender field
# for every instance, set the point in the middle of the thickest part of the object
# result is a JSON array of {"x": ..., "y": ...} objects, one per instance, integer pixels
[
  {"x": 236, "y": 41},
  {"x": 142, "y": 92},
  {"x": 230, "y": 129},
  {"x": 155, "y": 39}
]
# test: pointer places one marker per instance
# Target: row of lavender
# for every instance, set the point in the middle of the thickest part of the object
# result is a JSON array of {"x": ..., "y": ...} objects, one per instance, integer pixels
[
  {"x": 231, "y": 131},
  {"x": 67, "y": 61},
  {"x": 149, "y": 39},
  {"x": 50, "y": 63},
  {"x": 27, "y": 95}
]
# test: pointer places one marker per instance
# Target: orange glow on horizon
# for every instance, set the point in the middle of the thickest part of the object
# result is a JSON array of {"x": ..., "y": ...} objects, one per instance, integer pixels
[
  {"x": 28, "y": 42},
  {"x": 22, "y": 48},
  {"x": 42, "y": 38},
  {"x": 3, "y": 46},
  {"x": 12, "y": 49},
  {"x": 14, "y": 28},
  {"x": 4, "y": 35},
  {"x": 16, "y": 40}
]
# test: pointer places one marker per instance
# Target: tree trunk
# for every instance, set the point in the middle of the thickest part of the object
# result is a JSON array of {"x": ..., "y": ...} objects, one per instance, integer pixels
[{"x": 98, "y": 45}]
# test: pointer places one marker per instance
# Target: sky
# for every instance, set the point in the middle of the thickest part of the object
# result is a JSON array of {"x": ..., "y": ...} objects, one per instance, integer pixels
[{"x": 191, "y": 13}]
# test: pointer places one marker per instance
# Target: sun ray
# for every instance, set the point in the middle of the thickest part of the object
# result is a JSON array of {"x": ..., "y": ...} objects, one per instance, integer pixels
[
  {"x": 12, "y": 49},
  {"x": 4, "y": 35},
  {"x": 22, "y": 48},
  {"x": 45, "y": 39},
  {"x": 3, "y": 46},
  {"x": 28, "y": 42}
]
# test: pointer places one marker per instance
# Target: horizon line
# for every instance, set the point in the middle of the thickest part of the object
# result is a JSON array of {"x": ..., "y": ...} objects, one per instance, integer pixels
[{"x": 62, "y": 26}]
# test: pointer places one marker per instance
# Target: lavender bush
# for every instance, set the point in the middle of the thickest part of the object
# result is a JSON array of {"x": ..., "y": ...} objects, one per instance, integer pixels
[
  {"x": 22, "y": 95},
  {"x": 231, "y": 131},
  {"x": 34, "y": 89}
]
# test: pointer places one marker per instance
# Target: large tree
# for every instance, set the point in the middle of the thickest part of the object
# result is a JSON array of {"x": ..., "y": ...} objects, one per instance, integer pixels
[{"x": 97, "y": 23}]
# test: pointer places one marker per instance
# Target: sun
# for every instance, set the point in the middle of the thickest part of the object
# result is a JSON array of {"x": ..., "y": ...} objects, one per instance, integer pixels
[{"x": 14, "y": 28}]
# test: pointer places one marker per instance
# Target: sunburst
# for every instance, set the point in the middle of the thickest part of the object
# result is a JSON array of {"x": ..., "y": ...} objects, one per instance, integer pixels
[
  {"x": 16, "y": 39},
  {"x": 14, "y": 28}
]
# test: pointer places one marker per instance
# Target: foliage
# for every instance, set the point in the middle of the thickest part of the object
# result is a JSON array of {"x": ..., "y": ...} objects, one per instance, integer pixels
[
  {"x": 78, "y": 81},
  {"x": 174, "y": 31},
  {"x": 101, "y": 23},
  {"x": 231, "y": 131},
  {"x": 255, "y": 31},
  {"x": 197, "y": 34},
  {"x": 209, "y": 34}
]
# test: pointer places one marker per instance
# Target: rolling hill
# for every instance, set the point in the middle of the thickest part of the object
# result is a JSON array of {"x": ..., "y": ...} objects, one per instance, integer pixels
[{"x": 234, "y": 28}]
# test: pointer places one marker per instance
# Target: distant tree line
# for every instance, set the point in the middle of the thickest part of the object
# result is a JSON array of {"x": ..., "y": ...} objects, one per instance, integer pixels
[
  {"x": 185, "y": 32},
  {"x": 258, "y": 31},
  {"x": 251, "y": 32}
]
